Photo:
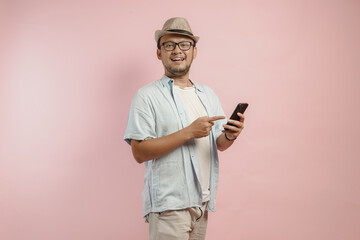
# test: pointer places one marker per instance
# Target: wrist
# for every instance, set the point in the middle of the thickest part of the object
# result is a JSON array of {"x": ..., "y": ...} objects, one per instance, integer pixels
[
  {"x": 229, "y": 139},
  {"x": 187, "y": 133}
]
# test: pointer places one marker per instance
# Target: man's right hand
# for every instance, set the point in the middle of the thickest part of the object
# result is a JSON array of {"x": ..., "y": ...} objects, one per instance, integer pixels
[
  {"x": 201, "y": 127},
  {"x": 157, "y": 147}
]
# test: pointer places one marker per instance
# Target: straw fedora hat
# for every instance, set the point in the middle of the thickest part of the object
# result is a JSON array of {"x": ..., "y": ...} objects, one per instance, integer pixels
[{"x": 176, "y": 25}]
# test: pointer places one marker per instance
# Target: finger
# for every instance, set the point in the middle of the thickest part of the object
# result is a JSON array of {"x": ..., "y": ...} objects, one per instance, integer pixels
[
  {"x": 242, "y": 117},
  {"x": 232, "y": 128},
  {"x": 232, "y": 135},
  {"x": 236, "y": 123},
  {"x": 215, "y": 118},
  {"x": 208, "y": 124}
]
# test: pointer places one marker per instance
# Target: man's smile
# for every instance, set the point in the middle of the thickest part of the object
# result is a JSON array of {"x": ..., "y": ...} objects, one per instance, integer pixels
[{"x": 177, "y": 59}]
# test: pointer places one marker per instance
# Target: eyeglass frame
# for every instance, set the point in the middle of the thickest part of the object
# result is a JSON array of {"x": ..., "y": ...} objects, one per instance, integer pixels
[{"x": 176, "y": 44}]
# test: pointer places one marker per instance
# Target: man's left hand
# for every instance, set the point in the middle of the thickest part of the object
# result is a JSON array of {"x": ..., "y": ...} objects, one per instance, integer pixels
[{"x": 232, "y": 132}]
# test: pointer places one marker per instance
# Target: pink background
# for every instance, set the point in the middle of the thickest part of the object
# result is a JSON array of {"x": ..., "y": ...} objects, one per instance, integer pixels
[{"x": 69, "y": 70}]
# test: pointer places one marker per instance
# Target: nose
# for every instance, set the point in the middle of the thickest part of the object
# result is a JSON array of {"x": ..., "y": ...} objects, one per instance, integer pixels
[{"x": 177, "y": 48}]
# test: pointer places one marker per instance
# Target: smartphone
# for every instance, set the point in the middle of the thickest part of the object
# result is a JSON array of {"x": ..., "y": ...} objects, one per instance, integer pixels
[{"x": 241, "y": 107}]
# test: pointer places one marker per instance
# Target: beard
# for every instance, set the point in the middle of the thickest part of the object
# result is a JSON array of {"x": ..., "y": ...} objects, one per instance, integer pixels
[{"x": 178, "y": 71}]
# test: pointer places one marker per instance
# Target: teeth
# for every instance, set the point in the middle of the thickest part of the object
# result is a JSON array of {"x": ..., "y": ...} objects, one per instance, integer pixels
[{"x": 177, "y": 59}]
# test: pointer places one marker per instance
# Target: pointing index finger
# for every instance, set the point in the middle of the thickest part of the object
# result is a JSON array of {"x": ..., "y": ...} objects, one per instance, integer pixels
[{"x": 215, "y": 118}]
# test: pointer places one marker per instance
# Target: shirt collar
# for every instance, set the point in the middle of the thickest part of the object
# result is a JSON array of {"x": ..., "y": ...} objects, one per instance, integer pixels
[{"x": 168, "y": 82}]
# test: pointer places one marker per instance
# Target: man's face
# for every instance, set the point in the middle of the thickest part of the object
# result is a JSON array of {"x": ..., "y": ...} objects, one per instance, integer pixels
[{"x": 176, "y": 62}]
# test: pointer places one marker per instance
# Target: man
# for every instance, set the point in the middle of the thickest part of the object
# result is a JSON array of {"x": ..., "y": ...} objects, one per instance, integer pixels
[{"x": 175, "y": 127}]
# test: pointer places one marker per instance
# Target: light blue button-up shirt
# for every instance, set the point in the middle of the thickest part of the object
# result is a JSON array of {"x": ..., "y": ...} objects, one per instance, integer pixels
[{"x": 172, "y": 181}]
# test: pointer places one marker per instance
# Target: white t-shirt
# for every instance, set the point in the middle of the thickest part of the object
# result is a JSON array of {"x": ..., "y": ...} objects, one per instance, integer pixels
[{"x": 195, "y": 109}]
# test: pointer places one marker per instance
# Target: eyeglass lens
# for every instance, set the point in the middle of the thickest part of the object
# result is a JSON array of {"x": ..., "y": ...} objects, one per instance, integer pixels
[{"x": 169, "y": 46}]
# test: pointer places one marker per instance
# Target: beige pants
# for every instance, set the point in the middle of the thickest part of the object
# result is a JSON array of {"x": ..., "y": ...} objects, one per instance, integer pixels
[{"x": 186, "y": 224}]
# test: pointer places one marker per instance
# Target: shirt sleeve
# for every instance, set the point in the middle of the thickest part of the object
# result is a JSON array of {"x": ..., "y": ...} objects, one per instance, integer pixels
[{"x": 141, "y": 121}]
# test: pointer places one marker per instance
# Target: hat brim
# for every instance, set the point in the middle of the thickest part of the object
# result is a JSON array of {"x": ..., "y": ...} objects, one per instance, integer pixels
[{"x": 161, "y": 33}]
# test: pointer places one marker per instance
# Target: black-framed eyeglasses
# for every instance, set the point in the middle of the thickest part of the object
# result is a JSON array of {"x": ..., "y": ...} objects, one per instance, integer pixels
[{"x": 184, "y": 45}]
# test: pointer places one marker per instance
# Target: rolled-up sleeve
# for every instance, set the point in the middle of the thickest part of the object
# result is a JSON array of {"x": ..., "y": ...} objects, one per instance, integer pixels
[{"x": 141, "y": 122}]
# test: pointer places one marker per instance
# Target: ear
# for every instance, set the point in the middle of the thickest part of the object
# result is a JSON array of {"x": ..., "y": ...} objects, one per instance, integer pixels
[
  {"x": 195, "y": 52},
  {"x": 158, "y": 53}
]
